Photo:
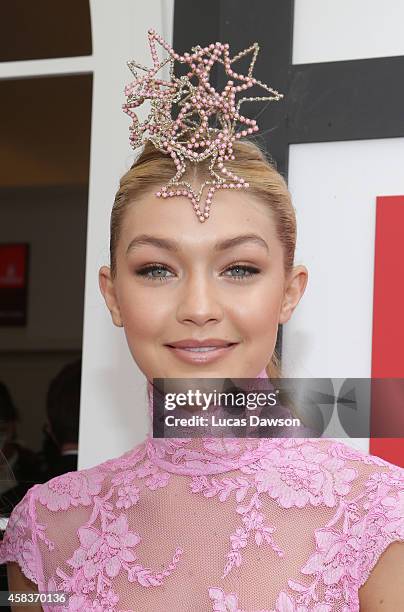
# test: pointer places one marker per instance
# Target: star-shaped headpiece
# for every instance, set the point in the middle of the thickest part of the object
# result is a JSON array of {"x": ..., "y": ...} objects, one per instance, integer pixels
[{"x": 205, "y": 122}]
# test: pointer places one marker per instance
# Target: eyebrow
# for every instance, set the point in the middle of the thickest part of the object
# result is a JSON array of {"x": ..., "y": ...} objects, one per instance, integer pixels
[{"x": 173, "y": 246}]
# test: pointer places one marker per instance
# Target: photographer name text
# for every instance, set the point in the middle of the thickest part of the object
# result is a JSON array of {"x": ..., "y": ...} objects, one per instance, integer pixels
[{"x": 215, "y": 421}]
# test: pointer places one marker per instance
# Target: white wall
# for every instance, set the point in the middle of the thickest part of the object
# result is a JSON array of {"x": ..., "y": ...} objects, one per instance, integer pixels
[
  {"x": 334, "y": 30},
  {"x": 113, "y": 398},
  {"x": 334, "y": 187}
]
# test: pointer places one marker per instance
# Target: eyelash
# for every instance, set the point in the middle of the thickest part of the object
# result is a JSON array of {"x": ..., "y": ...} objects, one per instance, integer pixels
[{"x": 143, "y": 272}]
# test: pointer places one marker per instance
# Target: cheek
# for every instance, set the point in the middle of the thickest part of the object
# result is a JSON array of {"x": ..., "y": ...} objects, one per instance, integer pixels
[
  {"x": 257, "y": 313},
  {"x": 141, "y": 321},
  {"x": 142, "y": 324}
]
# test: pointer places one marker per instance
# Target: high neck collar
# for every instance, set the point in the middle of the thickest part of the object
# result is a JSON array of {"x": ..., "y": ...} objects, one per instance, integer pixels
[{"x": 199, "y": 456}]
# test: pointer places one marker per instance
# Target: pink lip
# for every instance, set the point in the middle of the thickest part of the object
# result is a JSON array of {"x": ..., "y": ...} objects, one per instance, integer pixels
[{"x": 200, "y": 358}]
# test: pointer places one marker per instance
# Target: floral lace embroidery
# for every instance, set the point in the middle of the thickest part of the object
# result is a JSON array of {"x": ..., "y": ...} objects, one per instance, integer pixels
[
  {"x": 254, "y": 521},
  {"x": 71, "y": 489},
  {"x": 109, "y": 549},
  {"x": 294, "y": 473},
  {"x": 229, "y": 603},
  {"x": 289, "y": 473},
  {"x": 344, "y": 556},
  {"x": 225, "y": 602}
]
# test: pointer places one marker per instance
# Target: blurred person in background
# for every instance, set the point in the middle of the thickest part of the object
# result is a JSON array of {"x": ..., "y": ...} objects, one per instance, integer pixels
[
  {"x": 19, "y": 465},
  {"x": 61, "y": 430}
]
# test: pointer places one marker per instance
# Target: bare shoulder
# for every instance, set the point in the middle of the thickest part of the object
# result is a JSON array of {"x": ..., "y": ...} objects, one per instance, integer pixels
[
  {"x": 384, "y": 589},
  {"x": 17, "y": 581}
]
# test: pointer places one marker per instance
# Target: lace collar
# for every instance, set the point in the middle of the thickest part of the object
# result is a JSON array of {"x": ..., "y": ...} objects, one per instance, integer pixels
[{"x": 207, "y": 455}]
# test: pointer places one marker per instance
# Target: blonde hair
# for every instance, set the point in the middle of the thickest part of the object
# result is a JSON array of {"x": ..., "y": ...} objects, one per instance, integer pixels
[{"x": 153, "y": 169}]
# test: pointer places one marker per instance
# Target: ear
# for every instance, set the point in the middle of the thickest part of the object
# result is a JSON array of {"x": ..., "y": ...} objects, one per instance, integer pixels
[
  {"x": 294, "y": 289},
  {"x": 108, "y": 291}
]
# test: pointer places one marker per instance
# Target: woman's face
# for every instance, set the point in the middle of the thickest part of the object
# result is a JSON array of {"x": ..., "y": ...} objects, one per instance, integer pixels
[{"x": 205, "y": 288}]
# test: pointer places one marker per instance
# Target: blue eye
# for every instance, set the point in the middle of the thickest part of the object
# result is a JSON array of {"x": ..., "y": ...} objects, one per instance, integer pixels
[
  {"x": 147, "y": 272},
  {"x": 152, "y": 268},
  {"x": 251, "y": 271}
]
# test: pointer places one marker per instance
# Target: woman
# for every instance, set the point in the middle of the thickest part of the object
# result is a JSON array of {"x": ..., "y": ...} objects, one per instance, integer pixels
[{"x": 280, "y": 525}]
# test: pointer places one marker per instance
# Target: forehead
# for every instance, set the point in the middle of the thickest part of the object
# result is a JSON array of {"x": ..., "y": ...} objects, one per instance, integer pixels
[{"x": 231, "y": 213}]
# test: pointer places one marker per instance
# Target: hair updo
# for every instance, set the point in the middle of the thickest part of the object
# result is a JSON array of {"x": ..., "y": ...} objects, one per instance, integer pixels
[{"x": 152, "y": 169}]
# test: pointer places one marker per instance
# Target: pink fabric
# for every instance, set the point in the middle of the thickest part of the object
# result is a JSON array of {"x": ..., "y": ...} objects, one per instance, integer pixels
[{"x": 207, "y": 525}]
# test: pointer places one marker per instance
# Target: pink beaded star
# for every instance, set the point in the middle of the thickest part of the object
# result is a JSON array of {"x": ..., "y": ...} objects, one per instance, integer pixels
[{"x": 189, "y": 136}]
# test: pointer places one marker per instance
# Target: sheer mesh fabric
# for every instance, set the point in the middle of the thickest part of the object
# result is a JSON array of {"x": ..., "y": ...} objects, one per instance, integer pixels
[{"x": 202, "y": 525}]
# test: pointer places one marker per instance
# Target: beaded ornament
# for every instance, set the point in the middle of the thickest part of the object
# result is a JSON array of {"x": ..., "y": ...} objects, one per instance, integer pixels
[{"x": 190, "y": 136}]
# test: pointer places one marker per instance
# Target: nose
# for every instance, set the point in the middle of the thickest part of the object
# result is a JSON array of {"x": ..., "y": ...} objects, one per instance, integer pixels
[{"x": 199, "y": 300}]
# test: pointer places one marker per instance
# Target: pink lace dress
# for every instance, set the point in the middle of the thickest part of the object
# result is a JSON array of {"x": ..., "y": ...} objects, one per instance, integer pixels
[{"x": 211, "y": 525}]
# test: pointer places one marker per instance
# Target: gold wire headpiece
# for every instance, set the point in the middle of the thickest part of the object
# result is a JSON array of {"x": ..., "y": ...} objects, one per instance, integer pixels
[{"x": 190, "y": 135}]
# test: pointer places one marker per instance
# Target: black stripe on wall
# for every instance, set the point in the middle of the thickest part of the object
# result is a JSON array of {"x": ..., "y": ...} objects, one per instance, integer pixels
[{"x": 323, "y": 102}]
